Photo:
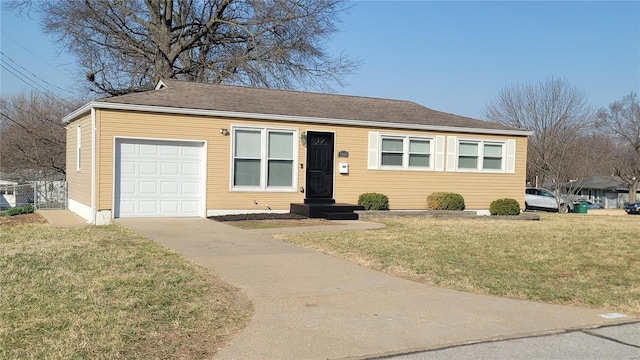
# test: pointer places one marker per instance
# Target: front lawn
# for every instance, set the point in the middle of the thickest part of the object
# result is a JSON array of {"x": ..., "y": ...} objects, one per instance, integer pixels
[
  {"x": 563, "y": 258},
  {"x": 105, "y": 292}
]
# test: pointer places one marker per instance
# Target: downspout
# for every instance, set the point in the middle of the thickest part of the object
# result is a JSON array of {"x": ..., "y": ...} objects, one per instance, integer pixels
[{"x": 93, "y": 166}]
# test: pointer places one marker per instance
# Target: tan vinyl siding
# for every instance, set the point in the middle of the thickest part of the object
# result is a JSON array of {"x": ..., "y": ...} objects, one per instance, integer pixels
[
  {"x": 115, "y": 123},
  {"x": 79, "y": 180},
  {"x": 406, "y": 189}
]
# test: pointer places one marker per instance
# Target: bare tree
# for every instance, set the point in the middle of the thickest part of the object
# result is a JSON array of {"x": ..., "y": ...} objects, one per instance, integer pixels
[
  {"x": 590, "y": 155},
  {"x": 32, "y": 135},
  {"x": 622, "y": 122},
  {"x": 559, "y": 116},
  {"x": 128, "y": 45}
]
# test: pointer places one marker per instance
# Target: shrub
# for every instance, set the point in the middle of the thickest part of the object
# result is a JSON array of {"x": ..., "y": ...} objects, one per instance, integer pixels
[
  {"x": 504, "y": 206},
  {"x": 27, "y": 209},
  {"x": 373, "y": 201},
  {"x": 445, "y": 201}
]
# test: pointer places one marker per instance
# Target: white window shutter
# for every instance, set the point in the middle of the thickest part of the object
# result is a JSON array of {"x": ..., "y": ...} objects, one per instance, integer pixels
[
  {"x": 452, "y": 152},
  {"x": 439, "y": 162},
  {"x": 511, "y": 156},
  {"x": 373, "y": 150}
]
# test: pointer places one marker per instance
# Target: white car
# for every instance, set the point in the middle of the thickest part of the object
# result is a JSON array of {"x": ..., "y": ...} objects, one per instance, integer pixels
[{"x": 542, "y": 199}]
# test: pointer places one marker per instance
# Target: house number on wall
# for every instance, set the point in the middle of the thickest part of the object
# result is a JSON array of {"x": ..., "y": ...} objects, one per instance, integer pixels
[{"x": 343, "y": 154}]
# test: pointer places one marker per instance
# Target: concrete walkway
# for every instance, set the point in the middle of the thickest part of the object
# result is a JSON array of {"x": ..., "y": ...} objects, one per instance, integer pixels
[
  {"x": 62, "y": 218},
  {"x": 313, "y": 306}
]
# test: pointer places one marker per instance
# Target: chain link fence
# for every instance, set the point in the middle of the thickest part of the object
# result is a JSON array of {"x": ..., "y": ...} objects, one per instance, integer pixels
[
  {"x": 50, "y": 194},
  {"x": 41, "y": 194}
]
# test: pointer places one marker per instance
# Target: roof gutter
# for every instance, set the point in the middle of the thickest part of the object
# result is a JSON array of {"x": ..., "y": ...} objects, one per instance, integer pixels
[
  {"x": 292, "y": 118},
  {"x": 79, "y": 112}
]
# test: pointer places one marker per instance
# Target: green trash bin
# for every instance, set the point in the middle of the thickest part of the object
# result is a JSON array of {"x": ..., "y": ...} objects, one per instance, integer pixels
[{"x": 580, "y": 208}]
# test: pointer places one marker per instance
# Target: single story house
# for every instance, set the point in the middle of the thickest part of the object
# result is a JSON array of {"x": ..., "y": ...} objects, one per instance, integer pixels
[
  {"x": 609, "y": 191},
  {"x": 196, "y": 149},
  {"x": 14, "y": 194},
  {"x": 7, "y": 194}
]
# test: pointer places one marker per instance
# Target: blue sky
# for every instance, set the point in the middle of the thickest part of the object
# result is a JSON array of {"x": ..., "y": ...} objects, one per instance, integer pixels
[{"x": 450, "y": 56}]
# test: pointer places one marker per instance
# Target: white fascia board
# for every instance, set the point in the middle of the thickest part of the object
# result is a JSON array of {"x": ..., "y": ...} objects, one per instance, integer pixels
[
  {"x": 79, "y": 112},
  {"x": 305, "y": 119}
]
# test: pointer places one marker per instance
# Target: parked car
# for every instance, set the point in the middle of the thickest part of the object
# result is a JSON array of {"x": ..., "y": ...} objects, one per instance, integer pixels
[
  {"x": 543, "y": 199},
  {"x": 632, "y": 208}
]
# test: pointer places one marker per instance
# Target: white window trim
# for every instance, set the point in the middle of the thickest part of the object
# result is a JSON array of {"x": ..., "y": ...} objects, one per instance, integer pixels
[
  {"x": 375, "y": 152},
  {"x": 508, "y": 155},
  {"x": 78, "y": 146},
  {"x": 264, "y": 131}
]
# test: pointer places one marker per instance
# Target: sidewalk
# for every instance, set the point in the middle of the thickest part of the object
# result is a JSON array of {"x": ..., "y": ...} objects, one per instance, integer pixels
[
  {"x": 62, "y": 218},
  {"x": 311, "y": 305}
]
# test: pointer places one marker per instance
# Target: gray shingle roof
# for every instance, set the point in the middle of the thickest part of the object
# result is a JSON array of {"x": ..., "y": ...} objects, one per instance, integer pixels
[
  {"x": 604, "y": 183},
  {"x": 202, "y": 96}
]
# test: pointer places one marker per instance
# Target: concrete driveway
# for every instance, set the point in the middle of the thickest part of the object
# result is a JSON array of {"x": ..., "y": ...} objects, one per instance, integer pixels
[{"x": 311, "y": 305}]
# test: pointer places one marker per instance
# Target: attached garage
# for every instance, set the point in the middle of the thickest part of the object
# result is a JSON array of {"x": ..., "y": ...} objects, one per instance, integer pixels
[{"x": 158, "y": 178}]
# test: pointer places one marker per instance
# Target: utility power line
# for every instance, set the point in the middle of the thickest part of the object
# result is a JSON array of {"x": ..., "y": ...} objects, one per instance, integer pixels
[
  {"x": 31, "y": 73},
  {"x": 28, "y": 78},
  {"x": 4, "y": 34}
]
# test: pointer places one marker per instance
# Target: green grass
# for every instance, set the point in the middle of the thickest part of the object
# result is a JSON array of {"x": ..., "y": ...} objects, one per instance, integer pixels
[
  {"x": 107, "y": 293},
  {"x": 568, "y": 259}
]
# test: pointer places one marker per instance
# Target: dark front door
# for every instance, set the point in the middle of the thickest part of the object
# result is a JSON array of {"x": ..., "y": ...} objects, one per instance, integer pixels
[{"x": 319, "y": 166}]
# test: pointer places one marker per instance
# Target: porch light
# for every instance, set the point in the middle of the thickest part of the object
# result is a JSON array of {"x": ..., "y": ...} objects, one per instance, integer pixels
[
  {"x": 224, "y": 132},
  {"x": 303, "y": 137}
]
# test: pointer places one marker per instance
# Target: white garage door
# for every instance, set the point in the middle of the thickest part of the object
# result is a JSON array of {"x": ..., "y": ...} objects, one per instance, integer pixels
[{"x": 158, "y": 178}]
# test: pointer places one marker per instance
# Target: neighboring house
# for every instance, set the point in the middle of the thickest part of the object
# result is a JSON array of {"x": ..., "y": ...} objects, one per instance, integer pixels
[
  {"x": 7, "y": 194},
  {"x": 13, "y": 194},
  {"x": 194, "y": 149},
  {"x": 609, "y": 191}
]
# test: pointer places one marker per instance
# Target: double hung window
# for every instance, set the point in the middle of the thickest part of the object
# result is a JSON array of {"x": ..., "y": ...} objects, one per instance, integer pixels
[
  {"x": 492, "y": 158},
  {"x": 405, "y": 152},
  {"x": 480, "y": 155},
  {"x": 263, "y": 159}
]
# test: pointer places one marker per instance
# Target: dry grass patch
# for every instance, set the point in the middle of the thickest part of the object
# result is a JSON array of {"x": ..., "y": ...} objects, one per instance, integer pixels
[
  {"x": 105, "y": 292},
  {"x": 564, "y": 258},
  {"x": 7, "y": 221}
]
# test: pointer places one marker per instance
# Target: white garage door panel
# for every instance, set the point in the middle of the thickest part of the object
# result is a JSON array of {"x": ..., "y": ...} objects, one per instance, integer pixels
[
  {"x": 127, "y": 207},
  {"x": 170, "y": 168},
  {"x": 158, "y": 178},
  {"x": 169, "y": 187},
  {"x": 190, "y": 205},
  {"x": 190, "y": 187}
]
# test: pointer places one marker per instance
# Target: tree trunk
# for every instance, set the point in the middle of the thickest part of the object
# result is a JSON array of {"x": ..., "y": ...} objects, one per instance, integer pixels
[{"x": 633, "y": 190}]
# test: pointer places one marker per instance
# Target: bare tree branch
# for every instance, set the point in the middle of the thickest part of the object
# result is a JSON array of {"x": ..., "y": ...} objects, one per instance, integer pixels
[
  {"x": 621, "y": 121},
  {"x": 128, "y": 45},
  {"x": 32, "y": 135},
  {"x": 560, "y": 118}
]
